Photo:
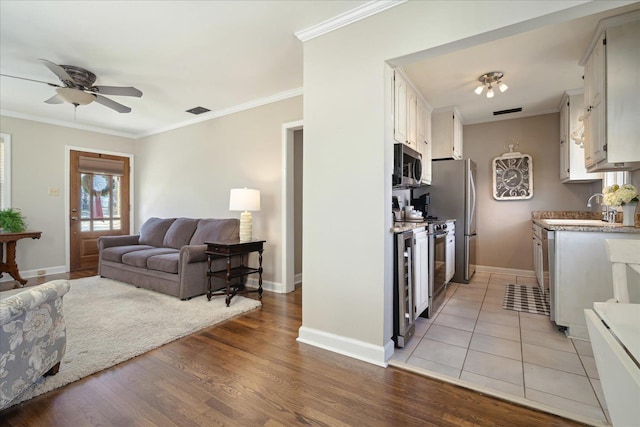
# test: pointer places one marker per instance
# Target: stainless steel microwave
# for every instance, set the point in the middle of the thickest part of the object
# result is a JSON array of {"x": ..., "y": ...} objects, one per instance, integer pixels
[{"x": 407, "y": 166}]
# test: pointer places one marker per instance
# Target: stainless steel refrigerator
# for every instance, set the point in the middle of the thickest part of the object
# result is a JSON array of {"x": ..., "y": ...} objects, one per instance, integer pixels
[{"x": 453, "y": 196}]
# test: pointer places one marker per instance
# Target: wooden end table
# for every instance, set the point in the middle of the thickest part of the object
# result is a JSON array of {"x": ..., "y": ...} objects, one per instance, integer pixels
[
  {"x": 9, "y": 264},
  {"x": 228, "y": 250}
]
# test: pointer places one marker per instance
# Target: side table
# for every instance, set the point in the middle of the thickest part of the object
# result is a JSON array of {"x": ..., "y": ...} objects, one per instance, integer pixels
[
  {"x": 228, "y": 250},
  {"x": 9, "y": 240}
]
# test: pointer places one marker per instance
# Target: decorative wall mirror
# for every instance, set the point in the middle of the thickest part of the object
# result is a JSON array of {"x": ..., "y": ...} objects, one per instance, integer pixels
[{"x": 5, "y": 170}]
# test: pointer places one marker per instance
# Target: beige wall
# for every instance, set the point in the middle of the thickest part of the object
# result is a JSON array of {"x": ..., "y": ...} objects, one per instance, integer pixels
[
  {"x": 189, "y": 171},
  {"x": 38, "y": 162},
  {"x": 297, "y": 198},
  {"x": 504, "y": 227}
]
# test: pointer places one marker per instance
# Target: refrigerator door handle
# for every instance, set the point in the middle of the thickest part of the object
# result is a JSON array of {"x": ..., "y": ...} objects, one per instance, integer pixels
[{"x": 473, "y": 204}]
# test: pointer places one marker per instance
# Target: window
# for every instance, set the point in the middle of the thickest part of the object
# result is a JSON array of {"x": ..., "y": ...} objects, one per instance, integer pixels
[{"x": 5, "y": 171}]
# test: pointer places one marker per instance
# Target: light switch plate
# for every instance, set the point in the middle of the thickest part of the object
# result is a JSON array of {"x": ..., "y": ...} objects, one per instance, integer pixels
[{"x": 54, "y": 191}]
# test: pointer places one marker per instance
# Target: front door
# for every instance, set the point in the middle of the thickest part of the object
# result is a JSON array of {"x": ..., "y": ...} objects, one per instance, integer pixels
[{"x": 99, "y": 203}]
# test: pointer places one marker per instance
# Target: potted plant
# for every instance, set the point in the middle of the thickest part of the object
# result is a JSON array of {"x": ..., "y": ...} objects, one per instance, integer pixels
[{"x": 12, "y": 220}]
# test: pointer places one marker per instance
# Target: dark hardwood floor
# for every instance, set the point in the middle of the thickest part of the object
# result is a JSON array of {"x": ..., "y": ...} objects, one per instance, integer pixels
[{"x": 250, "y": 371}]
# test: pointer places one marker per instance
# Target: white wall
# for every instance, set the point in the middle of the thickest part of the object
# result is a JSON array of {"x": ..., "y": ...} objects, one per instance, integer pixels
[
  {"x": 38, "y": 162},
  {"x": 347, "y": 260},
  {"x": 189, "y": 171}
]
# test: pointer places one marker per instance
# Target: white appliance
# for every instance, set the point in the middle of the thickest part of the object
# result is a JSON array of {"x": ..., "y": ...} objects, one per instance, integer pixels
[{"x": 453, "y": 195}]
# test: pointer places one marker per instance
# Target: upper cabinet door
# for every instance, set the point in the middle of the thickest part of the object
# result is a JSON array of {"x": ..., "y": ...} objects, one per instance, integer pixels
[
  {"x": 412, "y": 119},
  {"x": 400, "y": 109}
]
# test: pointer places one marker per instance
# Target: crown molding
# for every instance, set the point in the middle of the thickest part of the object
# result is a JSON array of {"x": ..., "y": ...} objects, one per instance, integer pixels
[
  {"x": 66, "y": 124},
  {"x": 202, "y": 118},
  {"x": 231, "y": 110},
  {"x": 347, "y": 18}
]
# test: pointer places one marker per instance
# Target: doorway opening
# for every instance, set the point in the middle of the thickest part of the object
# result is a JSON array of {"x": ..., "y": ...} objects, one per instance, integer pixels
[{"x": 292, "y": 142}]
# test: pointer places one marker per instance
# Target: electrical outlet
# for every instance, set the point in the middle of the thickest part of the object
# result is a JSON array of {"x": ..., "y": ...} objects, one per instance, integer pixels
[
  {"x": 41, "y": 272},
  {"x": 54, "y": 191}
]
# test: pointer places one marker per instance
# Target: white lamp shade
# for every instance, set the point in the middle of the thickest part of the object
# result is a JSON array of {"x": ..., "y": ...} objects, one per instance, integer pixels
[
  {"x": 503, "y": 87},
  {"x": 490, "y": 93},
  {"x": 479, "y": 89},
  {"x": 244, "y": 199}
]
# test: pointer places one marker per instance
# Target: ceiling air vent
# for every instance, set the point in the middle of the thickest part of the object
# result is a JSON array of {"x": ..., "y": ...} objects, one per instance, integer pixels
[
  {"x": 513, "y": 110},
  {"x": 198, "y": 110}
]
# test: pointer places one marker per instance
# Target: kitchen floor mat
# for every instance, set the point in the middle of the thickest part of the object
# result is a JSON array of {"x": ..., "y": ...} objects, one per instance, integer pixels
[{"x": 525, "y": 298}]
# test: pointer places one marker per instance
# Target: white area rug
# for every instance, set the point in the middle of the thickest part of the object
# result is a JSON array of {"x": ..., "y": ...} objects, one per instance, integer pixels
[{"x": 109, "y": 322}]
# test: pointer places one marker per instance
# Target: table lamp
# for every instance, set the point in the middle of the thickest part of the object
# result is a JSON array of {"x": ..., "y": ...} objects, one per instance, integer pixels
[{"x": 245, "y": 200}]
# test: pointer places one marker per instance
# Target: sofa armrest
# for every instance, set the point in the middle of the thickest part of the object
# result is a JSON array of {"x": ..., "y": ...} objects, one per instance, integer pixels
[
  {"x": 110, "y": 241},
  {"x": 193, "y": 253},
  {"x": 29, "y": 299}
]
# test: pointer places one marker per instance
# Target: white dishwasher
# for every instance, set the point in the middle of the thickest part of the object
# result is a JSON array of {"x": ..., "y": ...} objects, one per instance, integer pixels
[{"x": 450, "y": 250}]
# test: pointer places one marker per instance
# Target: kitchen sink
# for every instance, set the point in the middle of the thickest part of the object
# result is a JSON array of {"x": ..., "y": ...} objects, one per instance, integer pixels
[{"x": 579, "y": 222}]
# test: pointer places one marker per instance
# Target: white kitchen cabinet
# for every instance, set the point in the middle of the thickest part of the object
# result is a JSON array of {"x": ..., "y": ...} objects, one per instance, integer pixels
[
  {"x": 446, "y": 134},
  {"x": 400, "y": 120},
  {"x": 582, "y": 275},
  {"x": 611, "y": 102},
  {"x": 450, "y": 254},
  {"x": 538, "y": 262},
  {"x": 412, "y": 121},
  {"x": 421, "y": 271},
  {"x": 572, "y": 156}
]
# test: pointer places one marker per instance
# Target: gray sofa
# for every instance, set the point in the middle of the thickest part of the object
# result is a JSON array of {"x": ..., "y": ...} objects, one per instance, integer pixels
[
  {"x": 32, "y": 337},
  {"x": 167, "y": 256}
]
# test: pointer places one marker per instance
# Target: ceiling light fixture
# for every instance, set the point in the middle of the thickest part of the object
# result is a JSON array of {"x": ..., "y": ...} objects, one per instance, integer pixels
[
  {"x": 489, "y": 80},
  {"x": 75, "y": 96}
]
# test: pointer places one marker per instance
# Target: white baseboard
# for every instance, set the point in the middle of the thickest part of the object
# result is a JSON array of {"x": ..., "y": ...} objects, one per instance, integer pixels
[
  {"x": 267, "y": 285},
  {"x": 297, "y": 279},
  {"x": 28, "y": 274},
  {"x": 501, "y": 270},
  {"x": 377, "y": 355}
]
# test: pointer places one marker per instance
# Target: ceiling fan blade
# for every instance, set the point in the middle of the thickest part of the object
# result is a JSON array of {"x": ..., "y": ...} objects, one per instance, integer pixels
[
  {"x": 116, "y": 90},
  {"x": 31, "y": 80},
  {"x": 60, "y": 72},
  {"x": 55, "y": 99},
  {"x": 112, "y": 104}
]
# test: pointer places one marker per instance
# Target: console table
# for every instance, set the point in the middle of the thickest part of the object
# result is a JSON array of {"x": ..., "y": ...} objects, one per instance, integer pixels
[
  {"x": 8, "y": 264},
  {"x": 229, "y": 250}
]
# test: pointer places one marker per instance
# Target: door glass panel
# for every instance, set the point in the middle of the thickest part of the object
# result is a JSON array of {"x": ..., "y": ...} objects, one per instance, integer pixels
[{"x": 100, "y": 204}]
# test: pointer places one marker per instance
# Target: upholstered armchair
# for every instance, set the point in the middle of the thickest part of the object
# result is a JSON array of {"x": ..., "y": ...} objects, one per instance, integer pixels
[{"x": 32, "y": 337}]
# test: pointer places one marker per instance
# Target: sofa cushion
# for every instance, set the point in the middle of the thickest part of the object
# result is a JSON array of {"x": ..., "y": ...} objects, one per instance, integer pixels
[
  {"x": 115, "y": 253},
  {"x": 167, "y": 262},
  {"x": 153, "y": 231},
  {"x": 180, "y": 232},
  {"x": 210, "y": 230},
  {"x": 139, "y": 258}
]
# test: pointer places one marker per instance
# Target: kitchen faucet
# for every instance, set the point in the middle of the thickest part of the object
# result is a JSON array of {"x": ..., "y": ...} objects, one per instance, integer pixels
[{"x": 608, "y": 214}]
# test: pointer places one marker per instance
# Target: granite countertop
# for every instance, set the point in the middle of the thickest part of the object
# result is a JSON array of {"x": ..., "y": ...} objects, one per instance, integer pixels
[
  {"x": 401, "y": 227},
  {"x": 540, "y": 218}
]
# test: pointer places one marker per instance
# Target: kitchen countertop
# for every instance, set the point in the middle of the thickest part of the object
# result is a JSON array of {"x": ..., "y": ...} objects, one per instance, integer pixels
[
  {"x": 540, "y": 218},
  {"x": 401, "y": 227}
]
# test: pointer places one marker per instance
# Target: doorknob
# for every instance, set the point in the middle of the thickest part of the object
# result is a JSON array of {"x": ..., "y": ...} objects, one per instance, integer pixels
[{"x": 74, "y": 218}]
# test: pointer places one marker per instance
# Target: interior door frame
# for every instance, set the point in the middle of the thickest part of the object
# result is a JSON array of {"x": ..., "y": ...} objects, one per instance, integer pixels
[
  {"x": 67, "y": 187},
  {"x": 287, "y": 237}
]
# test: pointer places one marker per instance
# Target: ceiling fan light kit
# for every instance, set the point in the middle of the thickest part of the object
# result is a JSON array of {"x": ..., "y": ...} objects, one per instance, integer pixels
[
  {"x": 78, "y": 88},
  {"x": 75, "y": 96},
  {"x": 490, "y": 79}
]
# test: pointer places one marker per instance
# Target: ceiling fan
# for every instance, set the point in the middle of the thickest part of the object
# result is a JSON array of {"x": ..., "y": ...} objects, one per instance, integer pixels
[{"x": 78, "y": 88}]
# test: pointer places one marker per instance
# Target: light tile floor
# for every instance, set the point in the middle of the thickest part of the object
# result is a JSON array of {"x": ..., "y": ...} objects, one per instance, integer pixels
[{"x": 473, "y": 339}]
